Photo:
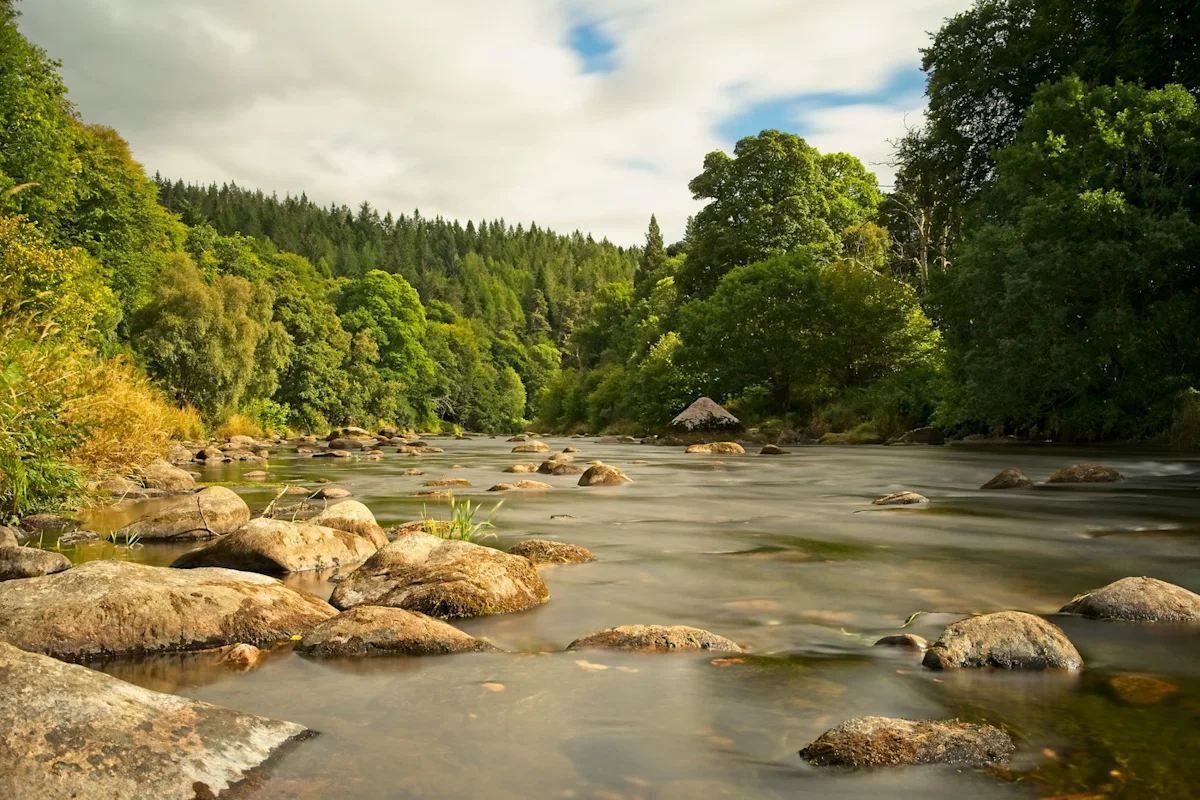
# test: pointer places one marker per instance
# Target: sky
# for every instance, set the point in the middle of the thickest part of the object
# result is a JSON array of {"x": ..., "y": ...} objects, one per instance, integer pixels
[{"x": 574, "y": 114}]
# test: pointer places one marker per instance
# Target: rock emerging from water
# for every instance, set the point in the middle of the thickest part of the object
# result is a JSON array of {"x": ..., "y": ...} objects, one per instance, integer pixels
[
  {"x": 69, "y": 731},
  {"x": 888, "y": 742},
  {"x": 1009, "y": 478},
  {"x": 1086, "y": 473},
  {"x": 353, "y": 517},
  {"x": 1138, "y": 600},
  {"x": 377, "y": 630},
  {"x": 705, "y": 415},
  {"x": 167, "y": 477},
  {"x": 275, "y": 546},
  {"x": 443, "y": 578},
  {"x": 47, "y": 524},
  {"x": 603, "y": 475},
  {"x": 655, "y": 638},
  {"x": 1007, "y": 640},
  {"x": 904, "y": 640},
  {"x": 116, "y": 608},
  {"x": 214, "y": 511},
  {"x": 544, "y": 551},
  {"x": 559, "y": 468},
  {"x": 717, "y": 448},
  {"x": 532, "y": 447},
  {"x": 772, "y": 450},
  {"x": 331, "y": 493},
  {"x": 522, "y": 469},
  {"x": 520, "y": 486},
  {"x": 30, "y": 562},
  {"x": 901, "y": 499}
]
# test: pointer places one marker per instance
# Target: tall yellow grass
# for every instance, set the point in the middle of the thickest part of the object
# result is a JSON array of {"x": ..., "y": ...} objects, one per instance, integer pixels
[{"x": 239, "y": 425}]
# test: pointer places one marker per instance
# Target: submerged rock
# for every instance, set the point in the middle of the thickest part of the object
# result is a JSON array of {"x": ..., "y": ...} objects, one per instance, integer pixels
[
  {"x": 772, "y": 450},
  {"x": 353, "y": 517},
  {"x": 1138, "y": 600},
  {"x": 909, "y": 640},
  {"x": 1009, "y": 478},
  {"x": 1007, "y": 639},
  {"x": 603, "y": 475},
  {"x": 214, "y": 511},
  {"x": 331, "y": 493},
  {"x": 520, "y": 485},
  {"x": 885, "y": 742},
  {"x": 543, "y": 551},
  {"x": 169, "y": 478},
  {"x": 275, "y": 546},
  {"x": 705, "y": 415},
  {"x": 30, "y": 562},
  {"x": 448, "y": 482},
  {"x": 559, "y": 468},
  {"x": 243, "y": 656},
  {"x": 69, "y": 731},
  {"x": 532, "y": 447},
  {"x": 901, "y": 499},
  {"x": 377, "y": 630},
  {"x": 1086, "y": 473},
  {"x": 442, "y": 578},
  {"x": 655, "y": 638},
  {"x": 116, "y": 608},
  {"x": 522, "y": 469}
]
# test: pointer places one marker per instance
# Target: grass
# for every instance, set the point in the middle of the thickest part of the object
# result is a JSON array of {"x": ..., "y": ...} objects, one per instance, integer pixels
[
  {"x": 462, "y": 525},
  {"x": 239, "y": 425}
]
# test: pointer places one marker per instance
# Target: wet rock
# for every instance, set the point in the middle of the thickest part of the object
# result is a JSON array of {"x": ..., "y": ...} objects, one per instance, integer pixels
[
  {"x": 69, "y": 731},
  {"x": 448, "y": 482},
  {"x": 772, "y": 450},
  {"x": 8, "y": 537},
  {"x": 214, "y": 511},
  {"x": 570, "y": 449},
  {"x": 377, "y": 630},
  {"x": 669, "y": 441},
  {"x": 901, "y": 499},
  {"x": 436, "y": 494},
  {"x": 79, "y": 537},
  {"x": 532, "y": 447},
  {"x": 412, "y": 473},
  {"x": 275, "y": 546},
  {"x": 420, "y": 450},
  {"x": 1007, "y": 639},
  {"x": 1141, "y": 690},
  {"x": 353, "y": 517},
  {"x": 48, "y": 524},
  {"x": 1009, "y": 478},
  {"x": 603, "y": 475},
  {"x": 908, "y": 640},
  {"x": 241, "y": 441},
  {"x": 1086, "y": 473},
  {"x": 520, "y": 485},
  {"x": 885, "y": 742},
  {"x": 243, "y": 656},
  {"x": 168, "y": 478},
  {"x": 522, "y": 469},
  {"x": 333, "y": 454},
  {"x": 443, "y": 578},
  {"x": 655, "y": 638},
  {"x": 924, "y": 436},
  {"x": 543, "y": 551},
  {"x": 705, "y": 415},
  {"x": 210, "y": 454},
  {"x": 30, "y": 562},
  {"x": 348, "y": 444},
  {"x": 520, "y": 437},
  {"x": 559, "y": 468},
  {"x": 717, "y": 448},
  {"x": 1138, "y": 600},
  {"x": 117, "y": 608},
  {"x": 257, "y": 475},
  {"x": 332, "y": 493}
]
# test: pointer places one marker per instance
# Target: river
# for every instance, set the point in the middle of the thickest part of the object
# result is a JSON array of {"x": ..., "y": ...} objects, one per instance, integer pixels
[{"x": 785, "y": 555}]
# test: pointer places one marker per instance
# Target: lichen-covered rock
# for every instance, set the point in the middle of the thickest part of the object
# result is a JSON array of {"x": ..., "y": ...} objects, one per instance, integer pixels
[
  {"x": 214, "y": 511},
  {"x": 69, "y": 731},
  {"x": 901, "y": 499},
  {"x": 1007, "y": 640},
  {"x": 655, "y": 638},
  {"x": 908, "y": 640},
  {"x": 705, "y": 415},
  {"x": 353, "y": 517},
  {"x": 560, "y": 468},
  {"x": 117, "y": 608},
  {"x": 520, "y": 485},
  {"x": 275, "y": 546},
  {"x": 1008, "y": 478},
  {"x": 377, "y": 630},
  {"x": 522, "y": 469},
  {"x": 1138, "y": 600},
  {"x": 168, "y": 478},
  {"x": 8, "y": 537},
  {"x": 1086, "y": 473},
  {"x": 332, "y": 493},
  {"x": 30, "y": 562},
  {"x": 543, "y": 551},
  {"x": 772, "y": 450},
  {"x": 532, "y": 447},
  {"x": 603, "y": 475},
  {"x": 887, "y": 742},
  {"x": 443, "y": 578}
]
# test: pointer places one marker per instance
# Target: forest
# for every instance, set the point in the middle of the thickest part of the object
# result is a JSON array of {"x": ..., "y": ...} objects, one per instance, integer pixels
[{"x": 1033, "y": 273}]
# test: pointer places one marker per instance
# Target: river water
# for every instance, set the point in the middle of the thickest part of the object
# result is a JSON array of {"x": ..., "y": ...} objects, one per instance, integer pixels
[{"x": 785, "y": 555}]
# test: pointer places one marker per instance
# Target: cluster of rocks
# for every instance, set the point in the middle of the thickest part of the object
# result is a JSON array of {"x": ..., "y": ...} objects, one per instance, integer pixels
[{"x": 1015, "y": 478}]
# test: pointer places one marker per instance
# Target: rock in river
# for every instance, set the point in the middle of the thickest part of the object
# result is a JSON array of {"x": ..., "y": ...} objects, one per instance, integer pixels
[
  {"x": 169, "y": 478},
  {"x": 1138, "y": 600},
  {"x": 603, "y": 475},
  {"x": 522, "y": 469},
  {"x": 543, "y": 551},
  {"x": 331, "y": 493},
  {"x": 901, "y": 499},
  {"x": 8, "y": 537},
  {"x": 772, "y": 450},
  {"x": 1007, "y": 639},
  {"x": 276, "y": 546},
  {"x": 354, "y": 517},
  {"x": 905, "y": 640},
  {"x": 885, "y": 742},
  {"x": 1086, "y": 473},
  {"x": 1010, "y": 478},
  {"x": 30, "y": 562},
  {"x": 116, "y": 608},
  {"x": 214, "y": 511},
  {"x": 376, "y": 630},
  {"x": 69, "y": 731},
  {"x": 718, "y": 448},
  {"x": 655, "y": 638},
  {"x": 443, "y": 578},
  {"x": 532, "y": 447}
]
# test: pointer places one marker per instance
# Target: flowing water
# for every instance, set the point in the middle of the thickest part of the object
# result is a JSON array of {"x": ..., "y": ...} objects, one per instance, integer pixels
[{"x": 785, "y": 555}]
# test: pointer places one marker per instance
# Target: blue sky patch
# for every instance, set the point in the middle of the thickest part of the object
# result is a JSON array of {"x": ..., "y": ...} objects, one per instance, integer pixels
[{"x": 594, "y": 47}]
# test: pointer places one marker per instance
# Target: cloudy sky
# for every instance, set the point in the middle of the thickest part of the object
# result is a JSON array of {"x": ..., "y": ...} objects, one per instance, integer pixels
[{"x": 587, "y": 114}]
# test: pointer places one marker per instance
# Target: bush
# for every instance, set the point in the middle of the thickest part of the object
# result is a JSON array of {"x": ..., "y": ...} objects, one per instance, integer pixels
[
  {"x": 239, "y": 425},
  {"x": 272, "y": 417}
]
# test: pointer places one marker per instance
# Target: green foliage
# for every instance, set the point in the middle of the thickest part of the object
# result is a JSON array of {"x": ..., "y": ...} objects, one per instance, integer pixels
[
  {"x": 268, "y": 414},
  {"x": 461, "y": 525}
]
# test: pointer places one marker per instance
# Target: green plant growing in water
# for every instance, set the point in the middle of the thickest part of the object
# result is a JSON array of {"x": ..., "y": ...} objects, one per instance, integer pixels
[{"x": 461, "y": 525}]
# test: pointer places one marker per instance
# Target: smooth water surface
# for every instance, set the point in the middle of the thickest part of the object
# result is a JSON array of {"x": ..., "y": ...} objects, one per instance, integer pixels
[{"x": 785, "y": 555}]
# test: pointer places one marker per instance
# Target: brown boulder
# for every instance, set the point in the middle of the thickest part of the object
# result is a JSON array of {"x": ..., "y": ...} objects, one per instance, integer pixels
[
  {"x": 333, "y": 454},
  {"x": 522, "y": 469},
  {"x": 168, "y": 478},
  {"x": 1086, "y": 473},
  {"x": 1138, "y": 600},
  {"x": 772, "y": 450},
  {"x": 655, "y": 638},
  {"x": 8, "y": 537},
  {"x": 353, "y": 517},
  {"x": 519, "y": 485},
  {"x": 1009, "y": 478},
  {"x": 603, "y": 475},
  {"x": 30, "y": 562},
  {"x": 559, "y": 468},
  {"x": 331, "y": 493},
  {"x": 908, "y": 640},
  {"x": 886, "y": 742},
  {"x": 214, "y": 511},
  {"x": 1007, "y": 639},
  {"x": 275, "y": 546},
  {"x": 542, "y": 551},
  {"x": 532, "y": 447},
  {"x": 377, "y": 630}
]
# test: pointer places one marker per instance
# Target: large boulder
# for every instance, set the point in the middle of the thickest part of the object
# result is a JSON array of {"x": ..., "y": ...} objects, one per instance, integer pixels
[
  {"x": 655, "y": 638},
  {"x": 30, "y": 562},
  {"x": 275, "y": 546},
  {"x": 376, "y": 630},
  {"x": 1008, "y": 478},
  {"x": 603, "y": 475},
  {"x": 8, "y": 537},
  {"x": 117, "y": 608},
  {"x": 1007, "y": 639},
  {"x": 705, "y": 415},
  {"x": 543, "y": 551},
  {"x": 69, "y": 731},
  {"x": 214, "y": 511},
  {"x": 1086, "y": 473},
  {"x": 1138, "y": 600},
  {"x": 886, "y": 742},
  {"x": 354, "y": 517},
  {"x": 443, "y": 578},
  {"x": 168, "y": 478}
]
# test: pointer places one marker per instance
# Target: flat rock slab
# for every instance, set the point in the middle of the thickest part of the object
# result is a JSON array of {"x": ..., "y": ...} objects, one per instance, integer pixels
[
  {"x": 543, "y": 551},
  {"x": 1009, "y": 478},
  {"x": 376, "y": 630},
  {"x": 1138, "y": 600},
  {"x": 115, "y": 608},
  {"x": 69, "y": 731},
  {"x": 443, "y": 578},
  {"x": 1086, "y": 473},
  {"x": 886, "y": 742},
  {"x": 655, "y": 638},
  {"x": 276, "y": 546},
  {"x": 30, "y": 562},
  {"x": 353, "y": 517},
  {"x": 1008, "y": 640},
  {"x": 214, "y": 511}
]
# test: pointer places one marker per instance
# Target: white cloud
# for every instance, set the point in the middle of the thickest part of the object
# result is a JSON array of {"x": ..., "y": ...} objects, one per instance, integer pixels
[{"x": 474, "y": 108}]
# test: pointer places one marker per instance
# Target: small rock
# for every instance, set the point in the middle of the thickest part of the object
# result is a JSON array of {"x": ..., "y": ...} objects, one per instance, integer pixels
[
  {"x": 1141, "y": 690},
  {"x": 904, "y": 640},
  {"x": 332, "y": 493},
  {"x": 772, "y": 450},
  {"x": 882, "y": 741},
  {"x": 559, "y": 468},
  {"x": 655, "y": 638},
  {"x": 377, "y": 630},
  {"x": 532, "y": 447},
  {"x": 243, "y": 656},
  {"x": 519, "y": 485},
  {"x": 333, "y": 454},
  {"x": 30, "y": 562},
  {"x": 1007, "y": 639},
  {"x": 570, "y": 449},
  {"x": 1086, "y": 473},
  {"x": 296, "y": 490},
  {"x": 257, "y": 475},
  {"x": 412, "y": 473},
  {"x": 522, "y": 469},
  {"x": 603, "y": 475},
  {"x": 901, "y": 499},
  {"x": 542, "y": 551},
  {"x": 77, "y": 537},
  {"x": 1010, "y": 478},
  {"x": 448, "y": 482},
  {"x": 1138, "y": 600}
]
